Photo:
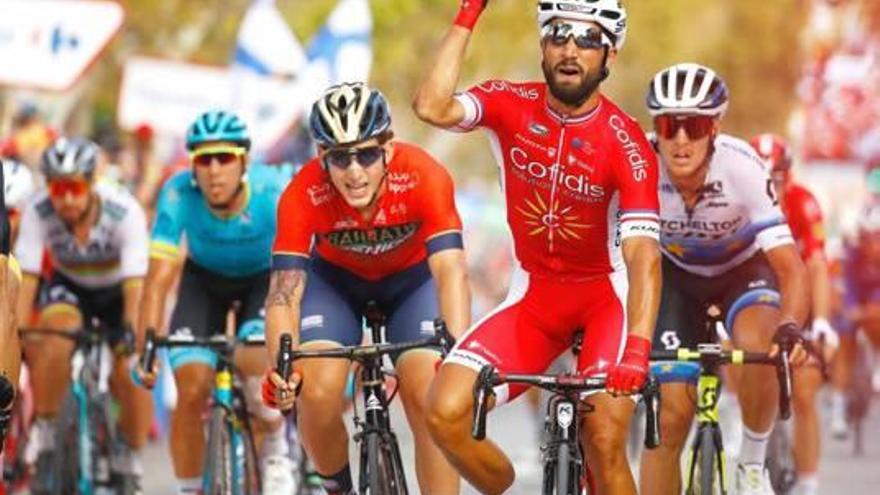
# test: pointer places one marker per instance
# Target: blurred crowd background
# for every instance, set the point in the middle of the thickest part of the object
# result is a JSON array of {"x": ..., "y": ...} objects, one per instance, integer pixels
[{"x": 808, "y": 70}]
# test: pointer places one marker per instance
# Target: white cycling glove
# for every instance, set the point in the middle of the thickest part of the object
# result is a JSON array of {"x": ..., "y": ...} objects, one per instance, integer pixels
[{"x": 822, "y": 329}]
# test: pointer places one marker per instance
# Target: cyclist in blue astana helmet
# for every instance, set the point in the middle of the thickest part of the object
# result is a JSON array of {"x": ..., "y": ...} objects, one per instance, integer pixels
[
  {"x": 225, "y": 208},
  {"x": 218, "y": 142}
]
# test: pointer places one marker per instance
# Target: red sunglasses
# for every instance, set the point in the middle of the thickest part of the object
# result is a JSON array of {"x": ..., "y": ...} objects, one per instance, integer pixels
[
  {"x": 695, "y": 126},
  {"x": 61, "y": 188}
]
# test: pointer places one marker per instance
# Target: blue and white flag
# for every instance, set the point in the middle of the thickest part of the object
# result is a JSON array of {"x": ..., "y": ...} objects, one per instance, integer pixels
[
  {"x": 265, "y": 45},
  {"x": 341, "y": 51}
]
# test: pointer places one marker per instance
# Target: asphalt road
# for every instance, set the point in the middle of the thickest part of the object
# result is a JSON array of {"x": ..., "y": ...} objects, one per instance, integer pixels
[{"x": 514, "y": 428}]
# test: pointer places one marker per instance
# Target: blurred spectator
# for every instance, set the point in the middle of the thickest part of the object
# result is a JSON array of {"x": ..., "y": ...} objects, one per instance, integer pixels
[
  {"x": 146, "y": 173},
  {"x": 29, "y": 137}
]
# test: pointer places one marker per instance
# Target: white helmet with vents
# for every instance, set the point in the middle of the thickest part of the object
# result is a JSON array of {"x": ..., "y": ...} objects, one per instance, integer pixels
[
  {"x": 610, "y": 15},
  {"x": 688, "y": 89}
]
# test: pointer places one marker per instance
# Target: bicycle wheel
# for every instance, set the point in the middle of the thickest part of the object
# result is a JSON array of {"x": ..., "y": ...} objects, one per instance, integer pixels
[
  {"x": 381, "y": 471},
  {"x": 60, "y": 473},
  {"x": 217, "y": 479},
  {"x": 702, "y": 479},
  {"x": 779, "y": 462},
  {"x": 563, "y": 470}
]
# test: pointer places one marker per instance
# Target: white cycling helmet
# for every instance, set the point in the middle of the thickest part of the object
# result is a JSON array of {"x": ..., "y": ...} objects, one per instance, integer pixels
[
  {"x": 18, "y": 183},
  {"x": 609, "y": 14},
  {"x": 688, "y": 89}
]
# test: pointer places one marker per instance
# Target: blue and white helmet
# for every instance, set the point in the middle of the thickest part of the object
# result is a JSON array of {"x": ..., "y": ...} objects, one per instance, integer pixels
[
  {"x": 217, "y": 125},
  {"x": 610, "y": 15},
  {"x": 349, "y": 113},
  {"x": 688, "y": 89}
]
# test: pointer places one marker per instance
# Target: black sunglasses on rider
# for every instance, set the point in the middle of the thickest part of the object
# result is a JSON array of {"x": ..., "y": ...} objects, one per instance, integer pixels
[
  {"x": 586, "y": 36},
  {"x": 365, "y": 157}
]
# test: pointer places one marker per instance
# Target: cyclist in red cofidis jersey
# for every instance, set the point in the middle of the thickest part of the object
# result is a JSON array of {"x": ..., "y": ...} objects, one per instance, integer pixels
[{"x": 580, "y": 181}]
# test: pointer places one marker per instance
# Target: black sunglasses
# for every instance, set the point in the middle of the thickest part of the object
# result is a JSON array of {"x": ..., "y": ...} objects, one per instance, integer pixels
[
  {"x": 586, "y": 37},
  {"x": 365, "y": 157}
]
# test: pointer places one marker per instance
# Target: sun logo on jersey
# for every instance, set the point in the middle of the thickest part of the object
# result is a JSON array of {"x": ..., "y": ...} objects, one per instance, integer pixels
[{"x": 542, "y": 218}]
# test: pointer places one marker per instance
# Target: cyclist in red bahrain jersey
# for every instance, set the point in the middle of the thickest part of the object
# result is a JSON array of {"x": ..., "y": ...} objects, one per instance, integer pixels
[
  {"x": 804, "y": 216},
  {"x": 370, "y": 219},
  {"x": 580, "y": 182}
]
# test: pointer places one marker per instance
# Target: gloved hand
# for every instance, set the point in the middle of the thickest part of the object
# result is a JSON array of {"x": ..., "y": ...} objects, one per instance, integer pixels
[
  {"x": 822, "y": 330},
  {"x": 469, "y": 13},
  {"x": 280, "y": 395},
  {"x": 630, "y": 373},
  {"x": 789, "y": 336}
]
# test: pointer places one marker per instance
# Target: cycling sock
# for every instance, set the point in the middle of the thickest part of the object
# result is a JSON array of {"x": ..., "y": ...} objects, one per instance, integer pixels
[
  {"x": 338, "y": 484},
  {"x": 838, "y": 403},
  {"x": 754, "y": 446},
  {"x": 274, "y": 443},
  {"x": 189, "y": 486}
]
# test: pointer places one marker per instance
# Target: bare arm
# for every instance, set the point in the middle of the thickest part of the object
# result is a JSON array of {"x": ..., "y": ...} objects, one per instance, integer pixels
[
  {"x": 642, "y": 257},
  {"x": 160, "y": 276},
  {"x": 449, "y": 269},
  {"x": 434, "y": 102},
  {"x": 820, "y": 282},
  {"x": 131, "y": 298},
  {"x": 286, "y": 288},
  {"x": 26, "y": 297},
  {"x": 793, "y": 283}
]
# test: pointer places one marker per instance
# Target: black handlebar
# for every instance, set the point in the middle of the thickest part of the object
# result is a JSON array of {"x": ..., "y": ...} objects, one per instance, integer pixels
[{"x": 488, "y": 378}]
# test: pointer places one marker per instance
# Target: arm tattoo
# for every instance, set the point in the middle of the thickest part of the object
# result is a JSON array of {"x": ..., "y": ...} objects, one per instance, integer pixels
[{"x": 282, "y": 286}]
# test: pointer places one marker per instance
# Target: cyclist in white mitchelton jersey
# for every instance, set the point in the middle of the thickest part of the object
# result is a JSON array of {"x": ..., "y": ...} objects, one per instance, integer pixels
[
  {"x": 96, "y": 235},
  {"x": 580, "y": 183},
  {"x": 725, "y": 242}
]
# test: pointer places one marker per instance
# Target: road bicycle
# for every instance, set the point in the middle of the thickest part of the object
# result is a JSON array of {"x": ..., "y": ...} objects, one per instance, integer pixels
[
  {"x": 230, "y": 466},
  {"x": 87, "y": 442},
  {"x": 707, "y": 471},
  {"x": 381, "y": 468},
  {"x": 565, "y": 469}
]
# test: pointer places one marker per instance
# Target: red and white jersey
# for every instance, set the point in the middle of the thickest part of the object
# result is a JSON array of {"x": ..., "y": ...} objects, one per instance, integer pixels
[
  {"x": 575, "y": 186},
  {"x": 804, "y": 217}
]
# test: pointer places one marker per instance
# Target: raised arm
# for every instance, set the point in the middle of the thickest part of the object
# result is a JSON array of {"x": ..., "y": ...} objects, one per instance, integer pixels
[{"x": 434, "y": 101}]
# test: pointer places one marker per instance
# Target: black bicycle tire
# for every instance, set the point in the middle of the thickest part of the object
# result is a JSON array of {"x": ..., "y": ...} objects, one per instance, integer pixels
[
  {"x": 378, "y": 477},
  {"x": 65, "y": 458},
  {"x": 218, "y": 465},
  {"x": 708, "y": 456},
  {"x": 398, "y": 475},
  {"x": 563, "y": 470}
]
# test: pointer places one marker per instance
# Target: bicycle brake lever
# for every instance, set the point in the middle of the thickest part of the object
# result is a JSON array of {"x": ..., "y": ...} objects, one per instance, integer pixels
[
  {"x": 482, "y": 390},
  {"x": 783, "y": 375},
  {"x": 651, "y": 395},
  {"x": 148, "y": 358}
]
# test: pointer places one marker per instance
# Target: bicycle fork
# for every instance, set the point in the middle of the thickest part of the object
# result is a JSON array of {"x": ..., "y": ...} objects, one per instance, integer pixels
[{"x": 708, "y": 395}]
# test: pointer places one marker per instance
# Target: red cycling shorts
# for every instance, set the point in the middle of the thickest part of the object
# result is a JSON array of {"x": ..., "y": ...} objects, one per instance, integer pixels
[{"x": 538, "y": 321}]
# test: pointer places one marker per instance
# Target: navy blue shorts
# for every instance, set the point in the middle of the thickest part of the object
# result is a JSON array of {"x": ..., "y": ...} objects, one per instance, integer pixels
[{"x": 334, "y": 301}]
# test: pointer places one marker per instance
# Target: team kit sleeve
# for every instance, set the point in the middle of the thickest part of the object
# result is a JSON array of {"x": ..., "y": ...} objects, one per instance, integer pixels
[
  {"x": 481, "y": 106},
  {"x": 135, "y": 242},
  {"x": 293, "y": 235},
  {"x": 167, "y": 227},
  {"x": 442, "y": 223},
  {"x": 30, "y": 243},
  {"x": 636, "y": 175},
  {"x": 755, "y": 187}
]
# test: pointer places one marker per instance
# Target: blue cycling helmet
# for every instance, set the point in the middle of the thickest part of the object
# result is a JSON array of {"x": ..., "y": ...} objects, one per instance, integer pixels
[
  {"x": 349, "y": 113},
  {"x": 217, "y": 125}
]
